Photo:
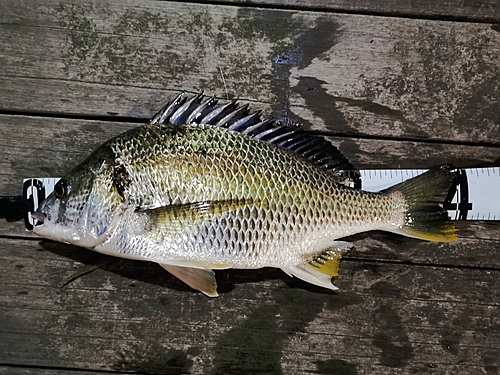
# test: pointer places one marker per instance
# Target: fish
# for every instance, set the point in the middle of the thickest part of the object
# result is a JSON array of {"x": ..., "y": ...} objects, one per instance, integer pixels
[{"x": 206, "y": 186}]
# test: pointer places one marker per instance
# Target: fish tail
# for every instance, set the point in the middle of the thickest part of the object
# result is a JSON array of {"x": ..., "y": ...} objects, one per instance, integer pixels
[{"x": 424, "y": 195}]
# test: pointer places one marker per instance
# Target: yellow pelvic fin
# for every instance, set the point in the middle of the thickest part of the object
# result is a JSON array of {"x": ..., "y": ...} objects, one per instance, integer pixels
[{"x": 200, "y": 279}]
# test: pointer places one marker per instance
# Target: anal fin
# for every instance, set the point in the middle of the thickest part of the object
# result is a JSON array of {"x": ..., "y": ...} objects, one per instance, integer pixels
[
  {"x": 201, "y": 279},
  {"x": 328, "y": 261},
  {"x": 322, "y": 267}
]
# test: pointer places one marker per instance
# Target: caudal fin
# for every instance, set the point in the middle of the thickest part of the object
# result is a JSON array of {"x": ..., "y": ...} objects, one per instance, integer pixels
[{"x": 424, "y": 196}]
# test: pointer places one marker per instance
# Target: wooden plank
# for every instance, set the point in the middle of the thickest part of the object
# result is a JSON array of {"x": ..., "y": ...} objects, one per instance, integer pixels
[
  {"x": 17, "y": 370},
  {"x": 392, "y": 92},
  {"x": 38, "y": 146},
  {"x": 481, "y": 10},
  {"x": 476, "y": 246},
  {"x": 49, "y": 147},
  {"x": 386, "y": 319},
  {"x": 34, "y": 146},
  {"x": 359, "y": 75}
]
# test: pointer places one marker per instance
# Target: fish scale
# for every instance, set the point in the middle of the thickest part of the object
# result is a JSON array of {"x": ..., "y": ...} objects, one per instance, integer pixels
[
  {"x": 310, "y": 192},
  {"x": 233, "y": 192},
  {"x": 250, "y": 185}
]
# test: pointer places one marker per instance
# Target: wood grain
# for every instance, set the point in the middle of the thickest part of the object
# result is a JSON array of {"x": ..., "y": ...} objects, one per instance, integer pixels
[
  {"x": 481, "y": 10},
  {"x": 16, "y": 370},
  {"x": 387, "y": 318},
  {"x": 390, "y": 92},
  {"x": 361, "y": 75}
]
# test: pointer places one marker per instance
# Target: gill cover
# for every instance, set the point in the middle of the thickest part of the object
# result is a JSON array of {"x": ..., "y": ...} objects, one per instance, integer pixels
[{"x": 86, "y": 205}]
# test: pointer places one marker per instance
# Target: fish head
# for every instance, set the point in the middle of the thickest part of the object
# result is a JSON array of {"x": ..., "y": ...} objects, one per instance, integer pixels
[{"x": 84, "y": 207}]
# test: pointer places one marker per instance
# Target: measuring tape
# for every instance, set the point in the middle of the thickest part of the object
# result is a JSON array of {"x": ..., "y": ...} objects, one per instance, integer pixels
[
  {"x": 476, "y": 197},
  {"x": 36, "y": 189}
]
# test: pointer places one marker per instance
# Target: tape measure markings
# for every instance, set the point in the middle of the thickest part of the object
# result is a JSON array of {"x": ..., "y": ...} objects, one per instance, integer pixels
[{"x": 477, "y": 196}]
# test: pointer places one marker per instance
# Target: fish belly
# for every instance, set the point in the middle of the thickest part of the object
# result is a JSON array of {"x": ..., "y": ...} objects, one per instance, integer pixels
[{"x": 248, "y": 237}]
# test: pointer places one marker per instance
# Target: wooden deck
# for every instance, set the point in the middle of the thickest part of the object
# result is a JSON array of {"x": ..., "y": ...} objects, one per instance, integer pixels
[{"x": 396, "y": 84}]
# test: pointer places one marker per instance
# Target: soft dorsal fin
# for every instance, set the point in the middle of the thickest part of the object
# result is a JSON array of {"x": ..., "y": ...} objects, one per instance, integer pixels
[{"x": 204, "y": 110}]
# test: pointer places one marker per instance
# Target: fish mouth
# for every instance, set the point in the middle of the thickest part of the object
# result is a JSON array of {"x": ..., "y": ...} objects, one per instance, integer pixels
[{"x": 38, "y": 215}]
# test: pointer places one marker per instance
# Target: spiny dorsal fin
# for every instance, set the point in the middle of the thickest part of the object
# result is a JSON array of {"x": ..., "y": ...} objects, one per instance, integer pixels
[{"x": 201, "y": 110}]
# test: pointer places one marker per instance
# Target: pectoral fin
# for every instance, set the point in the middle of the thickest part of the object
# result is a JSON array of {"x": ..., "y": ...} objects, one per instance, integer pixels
[
  {"x": 200, "y": 279},
  {"x": 185, "y": 217},
  {"x": 197, "y": 211},
  {"x": 322, "y": 267}
]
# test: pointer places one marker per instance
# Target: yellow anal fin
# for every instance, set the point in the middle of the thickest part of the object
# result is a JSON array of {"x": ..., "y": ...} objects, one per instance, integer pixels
[
  {"x": 327, "y": 262},
  {"x": 200, "y": 279},
  {"x": 322, "y": 267}
]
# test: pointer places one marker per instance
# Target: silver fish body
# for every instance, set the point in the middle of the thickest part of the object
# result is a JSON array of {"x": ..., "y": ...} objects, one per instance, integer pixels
[{"x": 196, "y": 197}]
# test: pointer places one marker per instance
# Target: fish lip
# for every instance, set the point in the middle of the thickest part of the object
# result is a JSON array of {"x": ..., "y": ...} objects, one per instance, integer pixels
[{"x": 38, "y": 215}]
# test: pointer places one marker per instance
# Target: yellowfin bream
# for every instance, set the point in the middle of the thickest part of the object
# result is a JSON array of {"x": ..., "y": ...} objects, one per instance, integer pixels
[{"x": 204, "y": 187}]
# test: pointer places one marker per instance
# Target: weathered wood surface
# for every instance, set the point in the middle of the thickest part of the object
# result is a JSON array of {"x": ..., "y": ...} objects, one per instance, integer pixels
[
  {"x": 387, "y": 318},
  {"x": 480, "y": 10},
  {"x": 361, "y": 75},
  {"x": 43, "y": 146},
  {"x": 15, "y": 370},
  {"x": 391, "y": 92}
]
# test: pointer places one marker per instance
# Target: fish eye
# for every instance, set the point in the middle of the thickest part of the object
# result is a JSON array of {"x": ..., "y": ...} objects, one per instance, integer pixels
[{"x": 62, "y": 189}]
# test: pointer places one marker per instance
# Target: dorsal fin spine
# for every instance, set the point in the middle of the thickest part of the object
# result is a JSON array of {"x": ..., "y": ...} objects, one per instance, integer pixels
[
  {"x": 164, "y": 114},
  {"x": 201, "y": 111},
  {"x": 245, "y": 121},
  {"x": 252, "y": 128},
  {"x": 184, "y": 110},
  {"x": 205, "y": 111},
  {"x": 233, "y": 116},
  {"x": 218, "y": 112},
  {"x": 278, "y": 137}
]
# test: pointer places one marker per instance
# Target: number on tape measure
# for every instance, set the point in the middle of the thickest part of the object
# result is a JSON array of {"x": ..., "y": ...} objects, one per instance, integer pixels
[{"x": 36, "y": 189}]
